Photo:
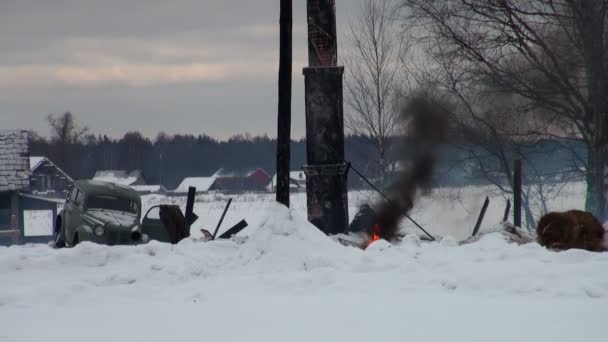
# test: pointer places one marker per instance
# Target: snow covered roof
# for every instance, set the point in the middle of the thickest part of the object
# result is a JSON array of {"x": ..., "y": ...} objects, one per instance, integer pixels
[
  {"x": 36, "y": 162},
  {"x": 200, "y": 183},
  {"x": 14, "y": 160},
  {"x": 148, "y": 188},
  {"x": 224, "y": 173},
  {"x": 121, "y": 177}
]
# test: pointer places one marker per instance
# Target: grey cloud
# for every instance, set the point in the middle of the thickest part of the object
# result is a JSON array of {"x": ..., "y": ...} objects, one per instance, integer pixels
[{"x": 126, "y": 65}]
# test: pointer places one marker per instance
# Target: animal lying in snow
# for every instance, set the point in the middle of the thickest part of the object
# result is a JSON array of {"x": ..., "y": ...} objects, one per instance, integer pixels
[{"x": 572, "y": 229}]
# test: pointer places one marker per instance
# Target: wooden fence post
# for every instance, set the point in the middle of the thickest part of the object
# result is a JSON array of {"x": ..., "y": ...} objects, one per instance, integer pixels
[{"x": 517, "y": 193}]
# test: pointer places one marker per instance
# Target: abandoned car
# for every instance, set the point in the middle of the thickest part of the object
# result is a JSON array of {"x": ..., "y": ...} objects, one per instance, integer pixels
[
  {"x": 99, "y": 212},
  {"x": 109, "y": 214}
]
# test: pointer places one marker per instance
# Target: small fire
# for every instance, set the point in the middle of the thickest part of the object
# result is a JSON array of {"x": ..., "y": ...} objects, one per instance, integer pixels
[{"x": 375, "y": 235}]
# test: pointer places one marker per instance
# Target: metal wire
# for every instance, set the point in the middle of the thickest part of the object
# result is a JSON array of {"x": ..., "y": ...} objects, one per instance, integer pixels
[{"x": 388, "y": 199}]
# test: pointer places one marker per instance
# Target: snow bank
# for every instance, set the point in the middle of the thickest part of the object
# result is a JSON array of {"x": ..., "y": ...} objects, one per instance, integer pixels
[
  {"x": 283, "y": 243},
  {"x": 287, "y": 281}
]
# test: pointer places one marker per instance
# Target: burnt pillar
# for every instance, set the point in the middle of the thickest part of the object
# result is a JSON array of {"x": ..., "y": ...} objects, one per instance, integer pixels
[{"x": 326, "y": 171}]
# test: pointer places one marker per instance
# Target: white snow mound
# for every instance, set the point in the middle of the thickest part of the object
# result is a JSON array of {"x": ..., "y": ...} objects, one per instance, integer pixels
[{"x": 283, "y": 242}]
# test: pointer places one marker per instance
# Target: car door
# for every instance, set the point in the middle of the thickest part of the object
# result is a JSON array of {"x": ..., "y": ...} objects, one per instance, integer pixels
[
  {"x": 77, "y": 210},
  {"x": 67, "y": 212},
  {"x": 152, "y": 225},
  {"x": 73, "y": 210}
]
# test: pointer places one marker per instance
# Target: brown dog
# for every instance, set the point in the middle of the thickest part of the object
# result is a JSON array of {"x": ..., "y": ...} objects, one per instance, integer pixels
[{"x": 571, "y": 229}]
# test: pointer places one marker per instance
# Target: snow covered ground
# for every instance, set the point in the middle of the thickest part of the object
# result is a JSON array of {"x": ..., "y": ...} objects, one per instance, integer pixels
[{"x": 285, "y": 281}]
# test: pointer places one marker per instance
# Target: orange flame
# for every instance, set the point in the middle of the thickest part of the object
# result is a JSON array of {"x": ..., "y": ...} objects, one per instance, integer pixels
[{"x": 375, "y": 235}]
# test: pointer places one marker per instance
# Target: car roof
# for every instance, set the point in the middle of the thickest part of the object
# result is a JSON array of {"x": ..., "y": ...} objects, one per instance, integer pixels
[{"x": 97, "y": 188}]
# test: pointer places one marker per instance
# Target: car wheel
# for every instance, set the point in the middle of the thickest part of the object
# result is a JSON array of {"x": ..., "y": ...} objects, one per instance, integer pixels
[{"x": 58, "y": 235}]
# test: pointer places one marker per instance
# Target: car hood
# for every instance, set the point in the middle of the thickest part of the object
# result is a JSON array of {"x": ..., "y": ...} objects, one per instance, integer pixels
[{"x": 112, "y": 218}]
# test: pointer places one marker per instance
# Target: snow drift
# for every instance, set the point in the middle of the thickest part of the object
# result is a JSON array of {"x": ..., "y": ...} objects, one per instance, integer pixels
[{"x": 287, "y": 281}]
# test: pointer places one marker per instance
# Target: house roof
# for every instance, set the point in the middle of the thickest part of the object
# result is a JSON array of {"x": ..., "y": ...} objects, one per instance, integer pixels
[
  {"x": 36, "y": 162},
  {"x": 148, "y": 188},
  {"x": 14, "y": 160},
  {"x": 121, "y": 177},
  {"x": 225, "y": 173},
  {"x": 200, "y": 183}
]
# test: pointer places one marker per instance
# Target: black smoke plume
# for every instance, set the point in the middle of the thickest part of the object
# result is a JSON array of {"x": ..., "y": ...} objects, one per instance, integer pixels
[{"x": 426, "y": 127}]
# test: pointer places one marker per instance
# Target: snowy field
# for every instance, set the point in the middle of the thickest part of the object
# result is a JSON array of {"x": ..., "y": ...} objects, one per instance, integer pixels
[{"x": 284, "y": 281}]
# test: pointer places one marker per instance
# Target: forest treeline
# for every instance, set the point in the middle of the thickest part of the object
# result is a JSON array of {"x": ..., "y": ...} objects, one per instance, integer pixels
[{"x": 168, "y": 159}]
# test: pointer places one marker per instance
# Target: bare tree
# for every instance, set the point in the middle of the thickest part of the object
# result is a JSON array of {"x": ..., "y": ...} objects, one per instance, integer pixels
[
  {"x": 65, "y": 132},
  {"x": 493, "y": 130},
  {"x": 551, "y": 55},
  {"x": 373, "y": 78}
]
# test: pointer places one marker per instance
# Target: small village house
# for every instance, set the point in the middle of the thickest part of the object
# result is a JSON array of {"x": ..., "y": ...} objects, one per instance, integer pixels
[
  {"x": 47, "y": 179},
  {"x": 202, "y": 185},
  {"x": 253, "y": 180},
  {"x": 24, "y": 217},
  {"x": 134, "y": 179},
  {"x": 122, "y": 177},
  {"x": 297, "y": 181},
  {"x": 149, "y": 189}
]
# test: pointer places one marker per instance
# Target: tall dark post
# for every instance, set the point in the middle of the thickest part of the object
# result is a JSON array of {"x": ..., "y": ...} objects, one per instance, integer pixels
[
  {"x": 326, "y": 171},
  {"x": 284, "y": 115},
  {"x": 517, "y": 193}
]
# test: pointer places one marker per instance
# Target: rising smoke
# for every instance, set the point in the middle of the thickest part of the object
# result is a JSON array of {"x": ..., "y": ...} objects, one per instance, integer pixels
[{"x": 426, "y": 126}]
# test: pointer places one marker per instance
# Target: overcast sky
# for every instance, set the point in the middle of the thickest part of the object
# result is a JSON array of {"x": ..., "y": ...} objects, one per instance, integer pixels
[{"x": 179, "y": 66}]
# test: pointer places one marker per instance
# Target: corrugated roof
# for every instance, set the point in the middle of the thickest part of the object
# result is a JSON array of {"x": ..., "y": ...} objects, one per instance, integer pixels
[{"x": 14, "y": 160}]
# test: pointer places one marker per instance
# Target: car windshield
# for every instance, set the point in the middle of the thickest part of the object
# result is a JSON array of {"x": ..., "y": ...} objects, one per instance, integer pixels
[{"x": 112, "y": 203}]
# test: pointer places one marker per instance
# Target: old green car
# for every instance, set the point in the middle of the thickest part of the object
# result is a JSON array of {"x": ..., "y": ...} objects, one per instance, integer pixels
[{"x": 99, "y": 212}]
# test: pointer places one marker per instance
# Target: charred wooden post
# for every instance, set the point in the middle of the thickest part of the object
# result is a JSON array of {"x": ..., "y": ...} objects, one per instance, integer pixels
[
  {"x": 284, "y": 115},
  {"x": 234, "y": 230},
  {"x": 326, "y": 171},
  {"x": 517, "y": 193},
  {"x": 219, "y": 224},
  {"x": 482, "y": 214},
  {"x": 190, "y": 206},
  {"x": 505, "y": 217}
]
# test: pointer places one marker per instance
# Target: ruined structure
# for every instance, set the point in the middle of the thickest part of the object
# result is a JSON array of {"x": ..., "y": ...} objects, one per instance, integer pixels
[{"x": 326, "y": 171}]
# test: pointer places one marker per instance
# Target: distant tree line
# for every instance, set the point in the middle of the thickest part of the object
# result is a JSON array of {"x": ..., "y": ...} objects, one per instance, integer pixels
[{"x": 167, "y": 159}]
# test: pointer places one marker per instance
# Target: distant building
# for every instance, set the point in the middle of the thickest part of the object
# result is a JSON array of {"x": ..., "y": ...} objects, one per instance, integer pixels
[
  {"x": 149, "y": 189},
  {"x": 240, "y": 180},
  {"x": 122, "y": 177},
  {"x": 24, "y": 217},
  {"x": 297, "y": 181},
  {"x": 202, "y": 184},
  {"x": 48, "y": 179}
]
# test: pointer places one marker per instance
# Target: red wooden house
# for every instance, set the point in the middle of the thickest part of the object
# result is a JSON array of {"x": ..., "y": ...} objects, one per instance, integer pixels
[{"x": 241, "y": 180}]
